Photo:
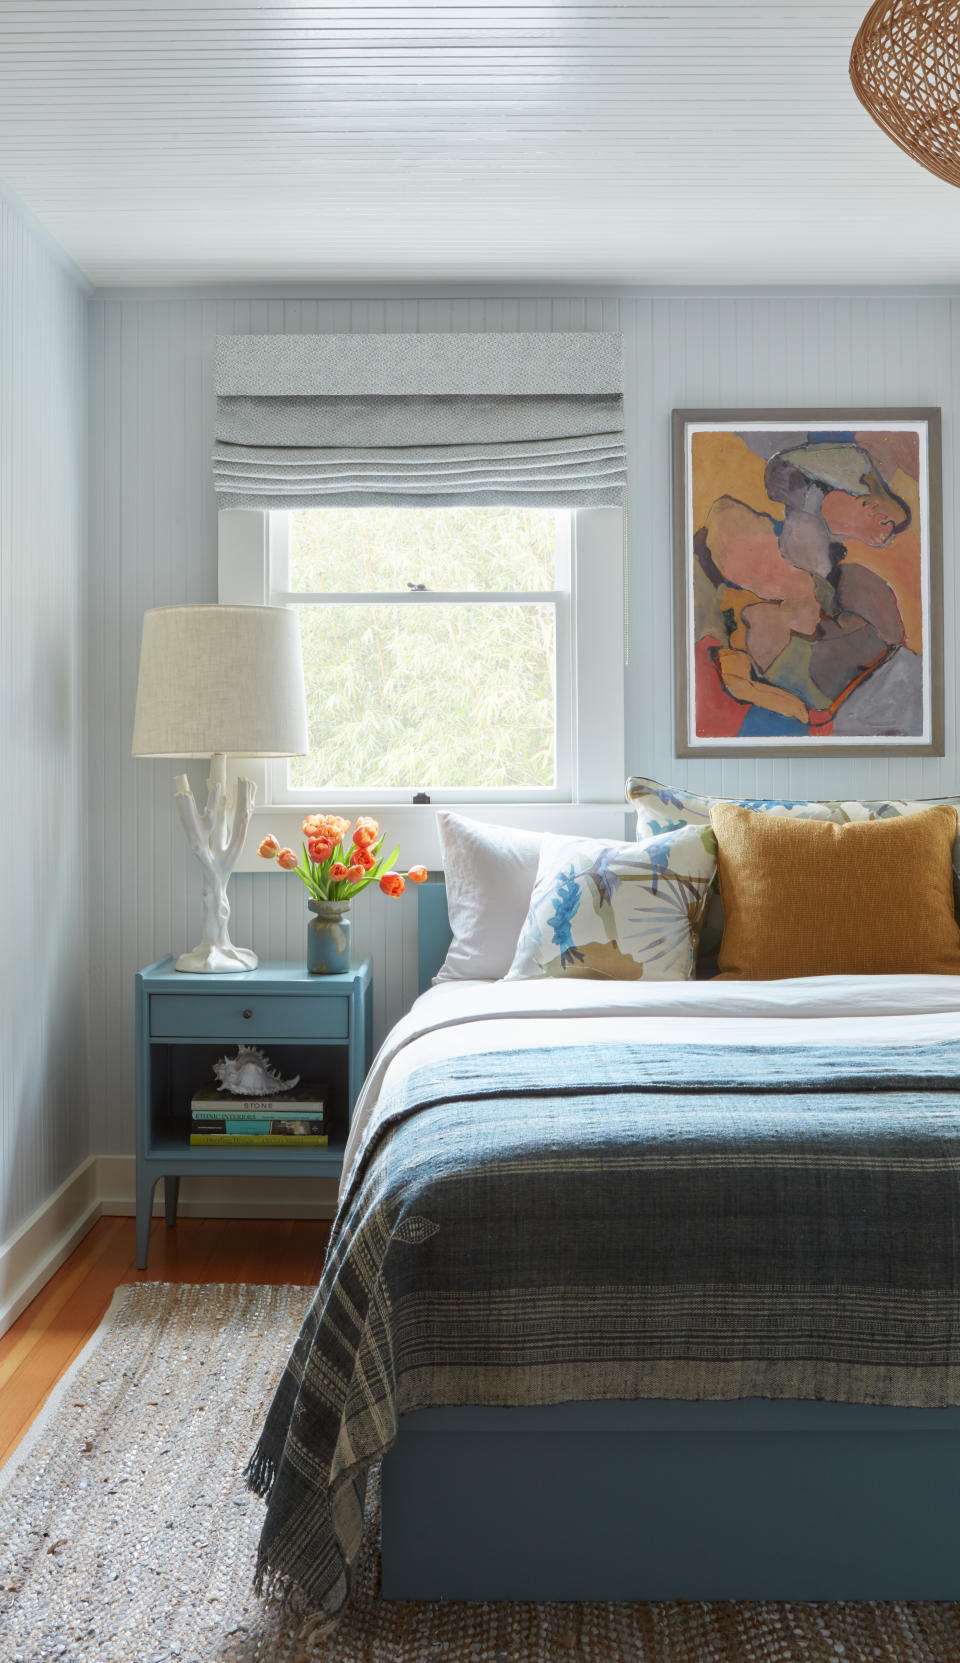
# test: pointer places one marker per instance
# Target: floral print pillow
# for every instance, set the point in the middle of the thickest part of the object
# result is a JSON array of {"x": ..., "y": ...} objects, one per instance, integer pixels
[
  {"x": 662, "y": 809},
  {"x": 618, "y": 911}
]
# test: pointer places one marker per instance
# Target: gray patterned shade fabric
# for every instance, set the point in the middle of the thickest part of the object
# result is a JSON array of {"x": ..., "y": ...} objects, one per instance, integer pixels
[{"x": 423, "y": 420}]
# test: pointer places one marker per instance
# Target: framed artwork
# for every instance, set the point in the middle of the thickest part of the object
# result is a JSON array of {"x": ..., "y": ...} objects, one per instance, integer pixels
[{"x": 808, "y": 582}]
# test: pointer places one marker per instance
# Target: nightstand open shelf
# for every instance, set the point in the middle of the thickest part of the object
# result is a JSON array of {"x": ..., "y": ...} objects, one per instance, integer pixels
[{"x": 315, "y": 1026}]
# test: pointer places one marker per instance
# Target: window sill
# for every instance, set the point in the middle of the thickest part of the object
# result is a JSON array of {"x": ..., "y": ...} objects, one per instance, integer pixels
[{"x": 414, "y": 827}]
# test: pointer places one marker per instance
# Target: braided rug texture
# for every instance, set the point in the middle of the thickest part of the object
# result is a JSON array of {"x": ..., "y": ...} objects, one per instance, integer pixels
[{"x": 127, "y": 1534}]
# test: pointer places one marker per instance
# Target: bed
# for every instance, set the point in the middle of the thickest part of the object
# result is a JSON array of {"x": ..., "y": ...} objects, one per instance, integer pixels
[{"x": 786, "y": 1445}]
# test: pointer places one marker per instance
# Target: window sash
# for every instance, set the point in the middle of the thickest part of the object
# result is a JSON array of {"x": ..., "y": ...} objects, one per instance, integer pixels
[
  {"x": 280, "y": 594},
  {"x": 252, "y": 544}
]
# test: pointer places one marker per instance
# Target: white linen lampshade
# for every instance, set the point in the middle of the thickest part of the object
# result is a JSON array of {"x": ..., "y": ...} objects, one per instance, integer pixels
[{"x": 218, "y": 681}]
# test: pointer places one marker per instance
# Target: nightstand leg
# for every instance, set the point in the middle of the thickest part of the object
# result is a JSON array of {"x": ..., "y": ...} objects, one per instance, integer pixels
[
  {"x": 171, "y": 1192},
  {"x": 145, "y": 1188}
]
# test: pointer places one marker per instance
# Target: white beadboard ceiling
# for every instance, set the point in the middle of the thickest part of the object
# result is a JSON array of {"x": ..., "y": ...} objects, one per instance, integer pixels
[{"x": 620, "y": 141}]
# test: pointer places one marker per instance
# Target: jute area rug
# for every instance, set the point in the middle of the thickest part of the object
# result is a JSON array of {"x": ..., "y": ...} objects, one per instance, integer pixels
[{"x": 127, "y": 1535}]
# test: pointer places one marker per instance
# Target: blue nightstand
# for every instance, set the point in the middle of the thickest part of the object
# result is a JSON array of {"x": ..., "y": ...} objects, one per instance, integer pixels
[{"x": 315, "y": 1026}]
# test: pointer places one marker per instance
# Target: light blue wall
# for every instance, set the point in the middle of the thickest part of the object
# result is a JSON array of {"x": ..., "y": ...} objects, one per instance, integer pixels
[
  {"x": 153, "y": 541},
  {"x": 43, "y": 894},
  {"x": 766, "y": 352}
]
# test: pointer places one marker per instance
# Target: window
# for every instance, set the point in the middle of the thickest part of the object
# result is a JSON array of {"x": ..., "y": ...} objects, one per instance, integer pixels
[
  {"x": 472, "y": 654},
  {"x": 435, "y": 648}
]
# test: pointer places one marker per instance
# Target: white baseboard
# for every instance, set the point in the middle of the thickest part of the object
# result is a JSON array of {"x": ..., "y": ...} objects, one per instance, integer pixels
[
  {"x": 218, "y": 1197},
  {"x": 104, "y": 1186},
  {"x": 31, "y": 1255}
]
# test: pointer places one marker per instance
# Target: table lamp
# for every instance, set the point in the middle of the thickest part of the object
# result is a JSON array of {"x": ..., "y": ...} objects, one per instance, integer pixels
[{"x": 218, "y": 681}]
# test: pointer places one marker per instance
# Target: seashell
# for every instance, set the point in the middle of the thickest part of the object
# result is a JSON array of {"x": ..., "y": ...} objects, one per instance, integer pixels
[{"x": 249, "y": 1074}]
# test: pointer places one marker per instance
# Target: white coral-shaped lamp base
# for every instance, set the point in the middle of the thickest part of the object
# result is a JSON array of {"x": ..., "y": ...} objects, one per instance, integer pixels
[{"x": 217, "y": 845}]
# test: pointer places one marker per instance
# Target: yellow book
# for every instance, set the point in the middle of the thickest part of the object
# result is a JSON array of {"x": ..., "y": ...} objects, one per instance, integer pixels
[{"x": 266, "y": 1139}]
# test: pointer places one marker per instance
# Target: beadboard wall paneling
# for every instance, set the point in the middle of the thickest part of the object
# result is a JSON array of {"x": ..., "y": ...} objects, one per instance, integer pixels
[
  {"x": 867, "y": 351},
  {"x": 43, "y": 1077},
  {"x": 153, "y": 542}
]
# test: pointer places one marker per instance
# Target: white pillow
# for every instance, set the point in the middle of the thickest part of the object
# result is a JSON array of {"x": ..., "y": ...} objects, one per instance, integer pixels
[
  {"x": 490, "y": 872},
  {"x": 618, "y": 911}
]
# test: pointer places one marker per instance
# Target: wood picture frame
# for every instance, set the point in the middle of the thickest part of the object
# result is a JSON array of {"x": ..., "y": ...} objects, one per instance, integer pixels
[{"x": 838, "y": 650}]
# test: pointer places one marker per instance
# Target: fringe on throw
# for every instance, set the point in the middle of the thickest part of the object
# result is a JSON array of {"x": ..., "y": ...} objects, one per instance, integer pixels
[
  {"x": 260, "y": 1473},
  {"x": 292, "y": 1603}
]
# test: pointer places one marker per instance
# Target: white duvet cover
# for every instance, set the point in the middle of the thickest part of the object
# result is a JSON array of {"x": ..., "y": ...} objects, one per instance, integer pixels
[{"x": 459, "y": 1017}]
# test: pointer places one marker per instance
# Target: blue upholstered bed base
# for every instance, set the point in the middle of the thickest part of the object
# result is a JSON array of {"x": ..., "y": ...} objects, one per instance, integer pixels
[
  {"x": 661, "y": 1500},
  {"x": 656, "y": 1500}
]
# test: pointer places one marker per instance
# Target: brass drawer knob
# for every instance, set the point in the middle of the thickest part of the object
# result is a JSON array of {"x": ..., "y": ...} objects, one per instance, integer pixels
[{"x": 247, "y": 1015}]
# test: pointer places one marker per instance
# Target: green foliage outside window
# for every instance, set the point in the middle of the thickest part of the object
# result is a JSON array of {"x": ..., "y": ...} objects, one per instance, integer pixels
[{"x": 426, "y": 695}]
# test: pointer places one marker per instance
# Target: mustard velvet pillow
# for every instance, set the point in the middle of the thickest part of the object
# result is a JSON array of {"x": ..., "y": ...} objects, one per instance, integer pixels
[{"x": 811, "y": 898}]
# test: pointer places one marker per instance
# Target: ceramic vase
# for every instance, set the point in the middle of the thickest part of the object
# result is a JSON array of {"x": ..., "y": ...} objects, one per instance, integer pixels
[{"x": 328, "y": 938}]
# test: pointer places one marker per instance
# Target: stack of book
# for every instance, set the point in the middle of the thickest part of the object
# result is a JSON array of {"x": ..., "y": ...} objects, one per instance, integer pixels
[{"x": 290, "y": 1120}]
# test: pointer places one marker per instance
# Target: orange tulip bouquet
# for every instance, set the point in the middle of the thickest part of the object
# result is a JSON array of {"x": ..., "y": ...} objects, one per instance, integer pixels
[{"x": 334, "y": 871}]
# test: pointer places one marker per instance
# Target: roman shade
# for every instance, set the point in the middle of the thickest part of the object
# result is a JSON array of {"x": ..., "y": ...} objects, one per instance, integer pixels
[{"x": 419, "y": 419}]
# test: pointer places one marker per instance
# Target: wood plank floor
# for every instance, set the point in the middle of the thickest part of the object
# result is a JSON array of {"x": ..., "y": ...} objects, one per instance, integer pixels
[{"x": 44, "y": 1340}]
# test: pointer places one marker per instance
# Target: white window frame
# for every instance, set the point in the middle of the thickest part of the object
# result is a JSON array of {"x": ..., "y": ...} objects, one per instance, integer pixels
[{"x": 588, "y": 797}]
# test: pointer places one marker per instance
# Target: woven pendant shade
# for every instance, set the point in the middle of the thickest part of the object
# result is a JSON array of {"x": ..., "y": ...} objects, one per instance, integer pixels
[{"x": 905, "y": 69}]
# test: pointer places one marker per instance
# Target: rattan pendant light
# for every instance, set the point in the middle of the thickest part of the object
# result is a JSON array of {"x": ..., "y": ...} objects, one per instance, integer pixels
[{"x": 905, "y": 69}]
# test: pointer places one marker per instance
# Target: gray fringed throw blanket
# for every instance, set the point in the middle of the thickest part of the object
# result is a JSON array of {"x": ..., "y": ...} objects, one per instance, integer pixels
[{"x": 586, "y": 1222}]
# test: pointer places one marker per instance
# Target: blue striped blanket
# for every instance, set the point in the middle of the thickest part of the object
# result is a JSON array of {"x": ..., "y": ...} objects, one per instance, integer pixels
[{"x": 585, "y": 1222}]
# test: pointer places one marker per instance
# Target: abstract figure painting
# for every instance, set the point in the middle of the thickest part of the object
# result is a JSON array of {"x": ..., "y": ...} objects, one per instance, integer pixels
[{"x": 808, "y": 582}]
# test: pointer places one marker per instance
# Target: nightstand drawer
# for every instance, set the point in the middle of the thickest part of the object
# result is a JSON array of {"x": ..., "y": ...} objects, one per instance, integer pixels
[{"x": 247, "y": 1017}]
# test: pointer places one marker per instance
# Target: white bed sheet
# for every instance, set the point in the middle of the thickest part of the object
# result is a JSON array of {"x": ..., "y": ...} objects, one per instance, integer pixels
[{"x": 456, "y": 1018}]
